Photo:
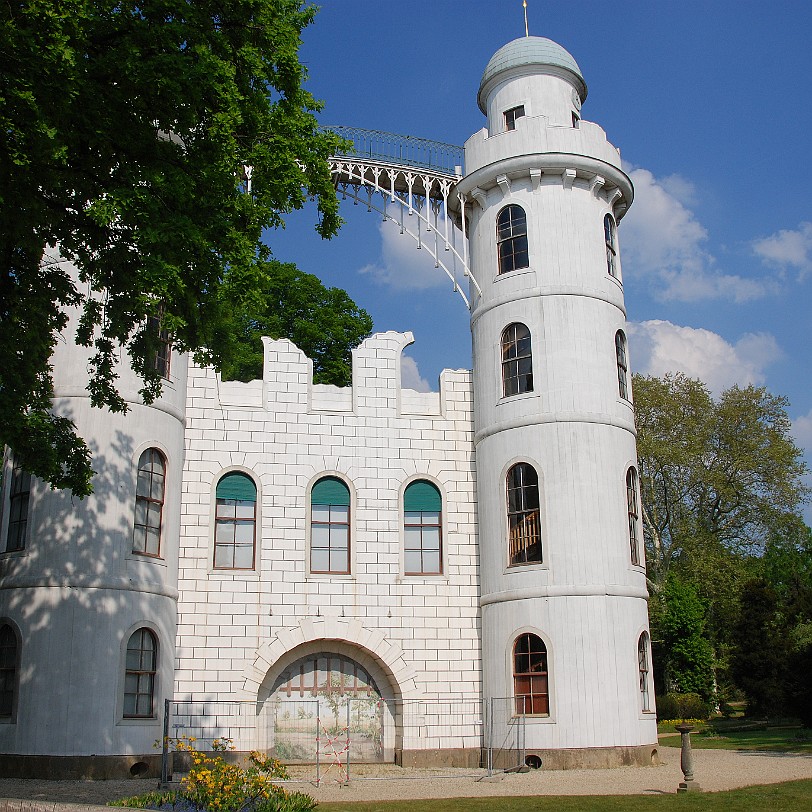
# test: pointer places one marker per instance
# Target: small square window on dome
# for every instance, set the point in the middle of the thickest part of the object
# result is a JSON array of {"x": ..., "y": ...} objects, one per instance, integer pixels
[{"x": 511, "y": 116}]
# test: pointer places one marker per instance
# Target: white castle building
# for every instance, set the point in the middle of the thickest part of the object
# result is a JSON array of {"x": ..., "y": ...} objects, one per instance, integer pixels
[{"x": 461, "y": 571}]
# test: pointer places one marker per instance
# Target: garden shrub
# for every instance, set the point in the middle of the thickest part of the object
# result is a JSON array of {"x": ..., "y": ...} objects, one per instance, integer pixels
[
  {"x": 667, "y": 707},
  {"x": 681, "y": 706},
  {"x": 214, "y": 785}
]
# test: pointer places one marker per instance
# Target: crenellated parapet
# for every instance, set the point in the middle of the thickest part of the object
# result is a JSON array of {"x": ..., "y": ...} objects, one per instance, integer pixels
[{"x": 376, "y": 391}]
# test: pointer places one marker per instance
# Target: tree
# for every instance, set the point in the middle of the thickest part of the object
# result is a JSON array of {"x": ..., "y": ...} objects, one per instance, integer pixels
[
  {"x": 716, "y": 477},
  {"x": 323, "y": 322},
  {"x": 787, "y": 567},
  {"x": 149, "y": 143},
  {"x": 760, "y": 659},
  {"x": 720, "y": 481},
  {"x": 684, "y": 655}
]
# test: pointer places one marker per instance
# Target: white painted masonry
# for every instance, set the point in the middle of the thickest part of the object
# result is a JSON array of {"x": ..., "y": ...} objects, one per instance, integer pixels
[
  {"x": 427, "y": 622},
  {"x": 77, "y": 592}
]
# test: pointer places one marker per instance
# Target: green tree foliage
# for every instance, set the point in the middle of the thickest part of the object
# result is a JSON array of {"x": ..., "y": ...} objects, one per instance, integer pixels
[
  {"x": 717, "y": 477},
  {"x": 125, "y": 133},
  {"x": 786, "y": 567},
  {"x": 685, "y": 656},
  {"x": 323, "y": 322},
  {"x": 721, "y": 483},
  {"x": 761, "y": 650}
]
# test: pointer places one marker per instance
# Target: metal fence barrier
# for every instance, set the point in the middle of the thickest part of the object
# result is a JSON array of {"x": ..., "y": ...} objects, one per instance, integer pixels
[{"x": 334, "y": 731}]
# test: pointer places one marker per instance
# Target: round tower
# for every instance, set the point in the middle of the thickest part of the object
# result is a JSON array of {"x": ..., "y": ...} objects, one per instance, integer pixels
[
  {"x": 89, "y": 587},
  {"x": 563, "y": 593}
]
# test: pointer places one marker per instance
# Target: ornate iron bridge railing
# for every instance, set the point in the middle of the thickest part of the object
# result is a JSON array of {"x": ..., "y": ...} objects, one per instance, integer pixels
[
  {"x": 411, "y": 182},
  {"x": 403, "y": 150}
]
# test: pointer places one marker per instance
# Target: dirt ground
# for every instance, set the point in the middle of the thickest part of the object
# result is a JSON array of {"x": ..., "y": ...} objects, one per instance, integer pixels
[{"x": 714, "y": 770}]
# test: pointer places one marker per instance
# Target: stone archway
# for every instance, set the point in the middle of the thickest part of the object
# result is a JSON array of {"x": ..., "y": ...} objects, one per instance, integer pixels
[
  {"x": 324, "y": 696},
  {"x": 319, "y": 689}
]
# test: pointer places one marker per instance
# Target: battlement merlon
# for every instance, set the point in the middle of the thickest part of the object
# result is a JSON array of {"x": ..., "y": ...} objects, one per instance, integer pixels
[{"x": 376, "y": 391}]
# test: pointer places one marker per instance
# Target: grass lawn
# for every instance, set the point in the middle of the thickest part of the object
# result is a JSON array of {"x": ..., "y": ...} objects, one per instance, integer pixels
[
  {"x": 777, "y": 740},
  {"x": 790, "y": 797}
]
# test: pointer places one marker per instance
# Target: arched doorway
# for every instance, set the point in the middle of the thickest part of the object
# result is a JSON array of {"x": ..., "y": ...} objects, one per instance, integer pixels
[{"x": 327, "y": 698}]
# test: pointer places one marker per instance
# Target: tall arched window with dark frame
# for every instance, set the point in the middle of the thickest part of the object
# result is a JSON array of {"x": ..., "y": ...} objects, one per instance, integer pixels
[
  {"x": 9, "y": 670},
  {"x": 511, "y": 239},
  {"x": 643, "y": 671},
  {"x": 524, "y": 520},
  {"x": 162, "y": 358},
  {"x": 18, "y": 503},
  {"x": 633, "y": 514},
  {"x": 622, "y": 358},
  {"x": 531, "y": 690},
  {"x": 610, "y": 240},
  {"x": 149, "y": 503},
  {"x": 140, "y": 670},
  {"x": 517, "y": 360}
]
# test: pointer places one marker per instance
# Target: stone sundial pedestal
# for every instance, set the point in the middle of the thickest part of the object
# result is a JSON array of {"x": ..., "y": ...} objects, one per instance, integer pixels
[{"x": 686, "y": 761}]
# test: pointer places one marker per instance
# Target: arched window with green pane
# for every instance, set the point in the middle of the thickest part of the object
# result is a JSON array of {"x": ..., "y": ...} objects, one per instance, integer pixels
[
  {"x": 330, "y": 526},
  {"x": 235, "y": 522},
  {"x": 423, "y": 513}
]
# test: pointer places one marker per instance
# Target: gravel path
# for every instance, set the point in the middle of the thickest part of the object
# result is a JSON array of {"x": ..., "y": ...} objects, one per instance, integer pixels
[{"x": 714, "y": 770}]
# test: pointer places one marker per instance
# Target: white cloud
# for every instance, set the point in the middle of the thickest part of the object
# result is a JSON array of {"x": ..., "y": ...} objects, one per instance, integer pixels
[
  {"x": 680, "y": 188},
  {"x": 787, "y": 248},
  {"x": 661, "y": 239},
  {"x": 410, "y": 377},
  {"x": 658, "y": 347},
  {"x": 401, "y": 265},
  {"x": 802, "y": 430}
]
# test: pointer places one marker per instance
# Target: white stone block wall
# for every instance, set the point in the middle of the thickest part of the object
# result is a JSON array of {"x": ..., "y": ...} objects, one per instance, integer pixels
[{"x": 236, "y": 628}]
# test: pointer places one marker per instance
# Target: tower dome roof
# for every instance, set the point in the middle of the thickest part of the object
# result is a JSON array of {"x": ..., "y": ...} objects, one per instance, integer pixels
[{"x": 526, "y": 51}]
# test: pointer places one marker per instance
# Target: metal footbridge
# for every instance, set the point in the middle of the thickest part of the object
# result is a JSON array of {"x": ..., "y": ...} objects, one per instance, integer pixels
[{"x": 410, "y": 181}]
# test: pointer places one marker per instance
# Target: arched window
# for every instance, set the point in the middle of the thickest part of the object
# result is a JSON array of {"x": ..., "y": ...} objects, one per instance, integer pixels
[
  {"x": 643, "y": 669},
  {"x": 530, "y": 686},
  {"x": 622, "y": 365},
  {"x": 422, "y": 515},
  {"x": 139, "y": 675},
  {"x": 611, "y": 244},
  {"x": 330, "y": 526},
  {"x": 149, "y": 503},
  {"x": 8, "y": 670},
  {"x": 19, "y": 493},
  {"x": 524, "y": 524},
  {"x": 517, "y": 360},
  {"x": 162, "y": 359},
  {"x": 511, "y": 239},
  {"x": 235, "y": 522},
  {"x": 633, "y": 514}
]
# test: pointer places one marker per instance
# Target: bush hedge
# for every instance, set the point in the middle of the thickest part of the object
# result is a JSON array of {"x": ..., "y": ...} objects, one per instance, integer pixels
[{"x": 682, "y": 706}]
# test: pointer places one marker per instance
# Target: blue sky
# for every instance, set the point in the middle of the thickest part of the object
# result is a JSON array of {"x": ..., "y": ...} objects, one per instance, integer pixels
[{"x": 710, "y": 104}]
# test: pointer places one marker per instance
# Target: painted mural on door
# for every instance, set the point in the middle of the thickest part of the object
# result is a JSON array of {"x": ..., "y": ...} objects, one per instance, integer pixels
[{"x": 330, "y": 703}]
